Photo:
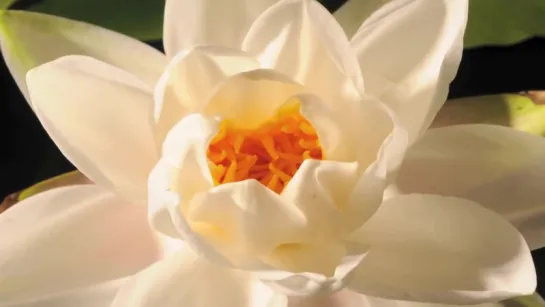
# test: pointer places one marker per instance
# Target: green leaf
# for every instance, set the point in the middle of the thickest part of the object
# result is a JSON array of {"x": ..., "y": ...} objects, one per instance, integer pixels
[
  {"x": 66, "y": 179},
  {"x": 4, "y": 4},
  {"x": 491, "y": 22},
  {"x": 512, "y": 110},
  {"x": 141, "y": 19},
  {"x": 504, "y": 22},
  {"x": 533, "y": 300}
]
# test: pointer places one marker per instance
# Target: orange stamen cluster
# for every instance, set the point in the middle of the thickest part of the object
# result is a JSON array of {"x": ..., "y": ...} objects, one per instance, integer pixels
[{"x": 270, "y": 154}]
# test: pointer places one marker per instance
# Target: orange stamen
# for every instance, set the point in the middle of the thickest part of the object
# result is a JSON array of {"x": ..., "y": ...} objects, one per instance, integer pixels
[{"x": 271, "y": 154}]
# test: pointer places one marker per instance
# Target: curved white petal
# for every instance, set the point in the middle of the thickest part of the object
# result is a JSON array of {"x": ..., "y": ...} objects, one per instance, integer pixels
[
  {"x": 381, "y": 302},
  {"x": 184, "y": 279},
  {"x": 254, "y": 228},
  {"x": 409, "y": 51},
  {"x": 97, "y": 295},
  {"x": 191, "y": 79},
  {"x": 320, "y": 190},
  {"x": 29, "y": 39},
  {"x": 498, "y": 167},
  {"x": 352, "y": 14},
  {"x": 209, "y": 22},
  {"x": 347, "y": 298},
  {"x": 337, "y": 127},
  {"x": 301, "y": 39},
  {"x": 100, "y": 117},
  {"x": 442, "y": 250},
  {"x": 244, "y": 219},
  {"x": 68, "y": 239},
  {"x": 343, "y": 298},
  {"x": 308, "y": 283},
  {"x": 250, "y": 98},
  {"x": 376, "y": 154},
  {"x": 182, "y": 172}
]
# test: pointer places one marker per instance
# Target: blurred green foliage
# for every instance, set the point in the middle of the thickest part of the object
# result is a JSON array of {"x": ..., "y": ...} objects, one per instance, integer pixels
[
  {"x": 142, "y": 19},
  {"x": 491, "y": 22},
  {"x": 504, "y": 22},
  {"x": 513, "y": 110},
  {"x": 5, "y": 4}
]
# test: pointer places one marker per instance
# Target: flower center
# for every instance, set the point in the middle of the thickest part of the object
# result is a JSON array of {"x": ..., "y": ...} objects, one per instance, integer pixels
[{"x": 271, "y": 154}]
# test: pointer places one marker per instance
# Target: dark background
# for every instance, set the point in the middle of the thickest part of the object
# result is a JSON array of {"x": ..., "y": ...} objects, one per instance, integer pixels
[{"x": 30, "y": 156}]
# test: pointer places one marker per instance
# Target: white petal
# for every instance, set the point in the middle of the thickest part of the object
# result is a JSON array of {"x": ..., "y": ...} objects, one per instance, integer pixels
[
  {"x": 209, "y": 22},
  {"x": 70, "y": 238},
  {"x": 498, "y": 167},
  {"x": 320, "y": 190},
  {"x": 184, "y": 279},
  {"x": 250, "y": 98},
  {"x": 184, "y": 150},
  {"x": 381, "y": 302},
  {"x": 442, "y": 250},
  {"x": 179, "y": 175},
  {"x": 337, "y": 128},
  {"x": 308, "y": 283},
  {"x": 100, "y": 117},
  {"x": 347, "y": 298},
  {"x": 352, "y": 14},
  {"x": 251, "y": 226},
  {"x": 355, "y": 188},
  {"x": 301, "y": 39},
  {"x": 409, "y": 51},
  {"x": 98, "y": 295},
  {"x": 190, "y": 80},
  {"x": 29, "y": 39},
  {"x": 244, "y": 220},
  {"x": 182, "y": 172},
  {"x": 343, "y": 298}
]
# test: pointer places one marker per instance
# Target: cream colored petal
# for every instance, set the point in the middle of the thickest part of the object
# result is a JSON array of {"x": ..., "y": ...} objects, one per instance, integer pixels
[
  {"x": 301, "y": 39},
  {"x": 97, "y": 295},
  {"x": 184, "y": 150},
  {"x": 159, "y": 198},
  {"x": 209, "y": 22},
  {"x": 353, "y": 12},
  {"x": 308, "y": 283},
  {"x": 377, "y": 171},
  {"x": 190, "y": 80},
  {"x": 66, "y": 240},
  {"x": 100, "y": 117},
  {"x": 409, "y": 51},
  {"x": 343, "y": 298},
  {"x": 381, "y": 302},
  {"x": 355, "y": 188},
  {"x": 179, "y": 175},
  {"x": 184, "y": 279},
  {"x": 321, "y": 190},
  {"x": 442, "y": 250},
  {"x": 182, "y": 172},
  {"x": 337, "y": 128},
  {"x": 249, "y": 224},
  {"x": 29, "y": 39},
  {"x": 498, "y": 167},
  {"x": 250, "y": 98},
  {"x": 369, "y": 122},
  {"x": 347, "y": 298}
]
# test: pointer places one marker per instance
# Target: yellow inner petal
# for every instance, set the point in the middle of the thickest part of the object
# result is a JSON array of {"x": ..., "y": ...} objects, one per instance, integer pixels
[{"x": 271, "y": 154}]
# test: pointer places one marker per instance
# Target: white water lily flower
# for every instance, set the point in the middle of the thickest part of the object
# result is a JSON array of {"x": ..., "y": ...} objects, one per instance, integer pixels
[{"x": 271, "y": 155}]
